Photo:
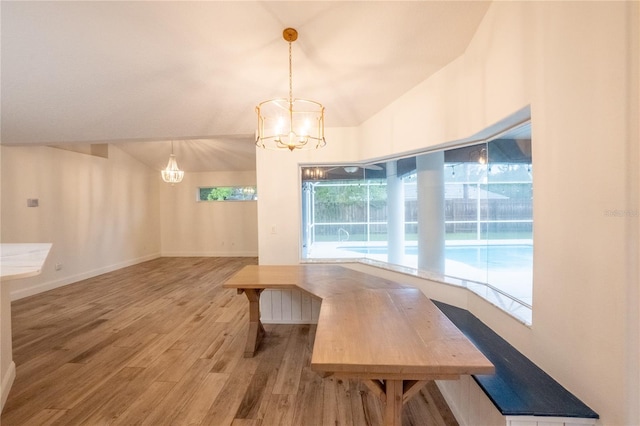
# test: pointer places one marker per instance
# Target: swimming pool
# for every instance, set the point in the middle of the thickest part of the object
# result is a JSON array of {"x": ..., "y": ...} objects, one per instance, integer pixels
[{"x": 478, "y": 256}]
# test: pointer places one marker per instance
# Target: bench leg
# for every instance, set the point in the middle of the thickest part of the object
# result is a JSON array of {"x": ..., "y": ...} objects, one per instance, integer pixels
[{"x": 256, "y": 330}]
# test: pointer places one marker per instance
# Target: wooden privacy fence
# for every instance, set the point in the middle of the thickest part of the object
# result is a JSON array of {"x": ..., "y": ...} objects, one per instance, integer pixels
[{"x": 455, "y": 210}]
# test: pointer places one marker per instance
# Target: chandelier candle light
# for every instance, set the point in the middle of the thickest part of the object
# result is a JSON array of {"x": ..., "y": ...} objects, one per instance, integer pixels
[
  {"x": 172, "y": 174},
  {"x": 290, "y": 123}
]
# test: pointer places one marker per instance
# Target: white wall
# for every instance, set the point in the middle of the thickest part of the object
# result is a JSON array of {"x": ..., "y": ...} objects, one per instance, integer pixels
[
  {"x": 100, "y": 214},
  {"x": 572, "y": 63},
  {"x": 191, "y": 228},
  {"x": 633, "y": 226},
  {"x": 7, "y": 366}
]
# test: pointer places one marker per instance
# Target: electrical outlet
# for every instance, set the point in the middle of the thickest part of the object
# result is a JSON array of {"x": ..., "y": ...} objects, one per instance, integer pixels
[
  {"x": 273, "y": 229},
  {"x": 58, "y": 266},
  {"x": 32, "y": 202}
]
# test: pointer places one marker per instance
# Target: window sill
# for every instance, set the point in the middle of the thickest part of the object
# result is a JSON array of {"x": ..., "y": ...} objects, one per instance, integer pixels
[{"x": 515, "y": 308}]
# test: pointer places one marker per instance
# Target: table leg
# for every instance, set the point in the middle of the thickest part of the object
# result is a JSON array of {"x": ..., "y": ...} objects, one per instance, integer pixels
[
  {"x": 256, "y": 330},
  {"x": 393, "y": 394},
  {"x": 393, "y": 407}
]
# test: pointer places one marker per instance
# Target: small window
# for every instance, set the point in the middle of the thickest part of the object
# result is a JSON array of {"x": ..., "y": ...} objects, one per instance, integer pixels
[{"x": 227, "y": 193}]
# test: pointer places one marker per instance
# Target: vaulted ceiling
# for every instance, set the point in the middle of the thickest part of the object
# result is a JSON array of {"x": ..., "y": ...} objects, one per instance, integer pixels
[{"x": 143, "y": 73}]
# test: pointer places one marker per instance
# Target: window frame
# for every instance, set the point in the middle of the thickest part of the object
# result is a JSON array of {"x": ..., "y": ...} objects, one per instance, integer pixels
[
  {"x": 251, "y": 191},
  {"x": 521, "y": 310}
]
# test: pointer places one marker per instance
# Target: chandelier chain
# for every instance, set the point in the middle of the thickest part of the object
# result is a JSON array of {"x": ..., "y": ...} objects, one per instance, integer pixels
[{"x": 290, "y": 79}]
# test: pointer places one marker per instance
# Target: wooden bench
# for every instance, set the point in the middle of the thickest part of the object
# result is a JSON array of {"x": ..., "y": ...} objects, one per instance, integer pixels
[
  {"x": 386, "y": 334},
  {"x": 518, "y": 387}
]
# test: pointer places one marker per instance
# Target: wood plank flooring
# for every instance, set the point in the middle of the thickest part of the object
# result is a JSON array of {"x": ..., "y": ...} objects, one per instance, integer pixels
[{"x": 161, "y": 343}]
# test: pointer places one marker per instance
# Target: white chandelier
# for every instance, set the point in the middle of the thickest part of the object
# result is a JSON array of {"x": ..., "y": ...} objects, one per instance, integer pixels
[
  {"x": 290, "y": 123},
  {"x": 172, "y": 174}
]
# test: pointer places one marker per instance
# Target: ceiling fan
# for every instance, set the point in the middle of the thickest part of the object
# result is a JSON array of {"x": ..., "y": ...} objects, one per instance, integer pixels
[
  {"x": 352, "y": 168},
  {"x": 322, "y": 172}
]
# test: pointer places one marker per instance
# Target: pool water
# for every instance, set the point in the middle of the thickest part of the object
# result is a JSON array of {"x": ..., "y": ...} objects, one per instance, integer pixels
[
  {"x": 506, "y": 267},
  {"x": 477, "y": 256}
]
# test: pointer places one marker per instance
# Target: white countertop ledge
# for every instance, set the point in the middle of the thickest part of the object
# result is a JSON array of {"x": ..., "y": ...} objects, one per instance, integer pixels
[{"x": 22, "y": 260}]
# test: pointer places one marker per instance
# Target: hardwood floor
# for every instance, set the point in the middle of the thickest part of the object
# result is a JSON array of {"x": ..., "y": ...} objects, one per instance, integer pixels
[{"x": 162, "y": 343}]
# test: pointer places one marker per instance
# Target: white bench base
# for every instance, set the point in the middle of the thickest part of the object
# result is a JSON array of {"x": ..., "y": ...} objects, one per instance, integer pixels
[{"x": 471, "y": 407}]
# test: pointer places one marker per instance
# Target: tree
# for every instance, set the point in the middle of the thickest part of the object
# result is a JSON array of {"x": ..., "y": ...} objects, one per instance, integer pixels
[{"x": 219, "y": 193}]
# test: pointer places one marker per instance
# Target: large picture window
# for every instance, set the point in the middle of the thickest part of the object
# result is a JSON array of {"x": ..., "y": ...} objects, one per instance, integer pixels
[{"x": 464, "y": 214}]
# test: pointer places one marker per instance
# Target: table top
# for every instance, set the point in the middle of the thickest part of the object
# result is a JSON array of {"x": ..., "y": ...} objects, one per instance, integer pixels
[
  {"x": 392, "y": 333},
  {"x": 318, "y": 279},
  {"x": 370, "y": 327},
  {"x": 22, "y": 260}
]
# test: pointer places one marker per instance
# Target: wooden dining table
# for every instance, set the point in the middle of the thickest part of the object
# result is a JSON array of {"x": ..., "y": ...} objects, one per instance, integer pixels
[{"x": 387, "y": 334}]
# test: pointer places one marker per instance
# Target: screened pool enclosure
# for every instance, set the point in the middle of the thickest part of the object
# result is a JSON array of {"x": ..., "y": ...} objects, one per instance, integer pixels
[{"x": 464, "y": 213}]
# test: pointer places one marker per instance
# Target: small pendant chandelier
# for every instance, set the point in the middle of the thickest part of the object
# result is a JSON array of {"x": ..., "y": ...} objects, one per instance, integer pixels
[
  {"x": 290, "y": 123},
  {"x": 172, "y": 174}
]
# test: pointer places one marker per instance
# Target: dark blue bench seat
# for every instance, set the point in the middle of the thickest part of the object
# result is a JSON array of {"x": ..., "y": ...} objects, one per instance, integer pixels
[{"x": 518, "y": 387}]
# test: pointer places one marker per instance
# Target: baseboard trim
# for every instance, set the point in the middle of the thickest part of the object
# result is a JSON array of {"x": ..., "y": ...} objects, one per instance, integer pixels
[
  {"x": 209, "y": 254},
  {"x": 277, "y": 321},
  {"x": 50, "y": 285},
  {"x": 7, "y": 382}
]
